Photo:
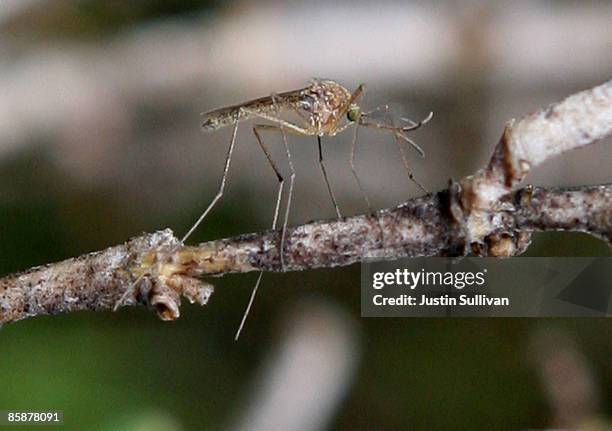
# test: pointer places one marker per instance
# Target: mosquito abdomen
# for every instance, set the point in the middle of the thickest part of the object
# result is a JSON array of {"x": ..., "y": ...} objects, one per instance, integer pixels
[
  {"x": 222, "y": 117},
  {"x": 263, "y": 106}
]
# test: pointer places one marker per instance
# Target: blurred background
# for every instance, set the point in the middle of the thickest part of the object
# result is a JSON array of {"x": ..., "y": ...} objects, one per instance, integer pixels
[{"x": 100, "y": 141}]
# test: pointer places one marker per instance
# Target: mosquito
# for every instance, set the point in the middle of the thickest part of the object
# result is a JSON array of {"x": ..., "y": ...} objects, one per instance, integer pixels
[{"x": 323, "y": 108}]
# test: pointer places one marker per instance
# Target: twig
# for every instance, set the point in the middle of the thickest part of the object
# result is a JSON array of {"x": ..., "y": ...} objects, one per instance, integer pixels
[
  {"x": 482, "y": 214},
  {"x": 96, "y": 281}
]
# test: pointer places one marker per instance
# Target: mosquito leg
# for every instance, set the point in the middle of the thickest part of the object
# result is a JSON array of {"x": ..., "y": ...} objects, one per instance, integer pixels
[
  {"x": 407, "y": 165},
  {"x": 360, "y": 92},
  {"x": 403, "y": 151},
  {"x": 281, "y": 180},
  {"x": 415, "y": 125},
  {"x": 228, "y": 159},
  {"x": 398, "y": 131},
  {"x": 282, "y": 125},
  {"x": 331, "y": 193},
  {"x": 354, "y": 170},
  {"x": 361, "y": 189},
  {"x": 279, "y": 195},
  {"x": 353, "y": 151},
  {"x": 399, "y": 136},
  {"x": 379, "y": 108},
  {"x": 287, "y": 126}
]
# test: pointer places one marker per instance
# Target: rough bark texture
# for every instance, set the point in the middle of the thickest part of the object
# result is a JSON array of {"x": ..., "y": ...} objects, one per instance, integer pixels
[
  {"x": 96, "y": 281},
  {"x": 480, "y": 215}
]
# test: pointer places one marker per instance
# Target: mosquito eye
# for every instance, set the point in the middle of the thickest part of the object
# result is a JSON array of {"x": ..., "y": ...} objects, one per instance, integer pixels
[{"x": 353, "y": 114}]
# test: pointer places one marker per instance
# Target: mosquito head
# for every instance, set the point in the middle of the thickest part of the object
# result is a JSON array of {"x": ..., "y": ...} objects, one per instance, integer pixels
[{"x": 353, "y": 113}]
